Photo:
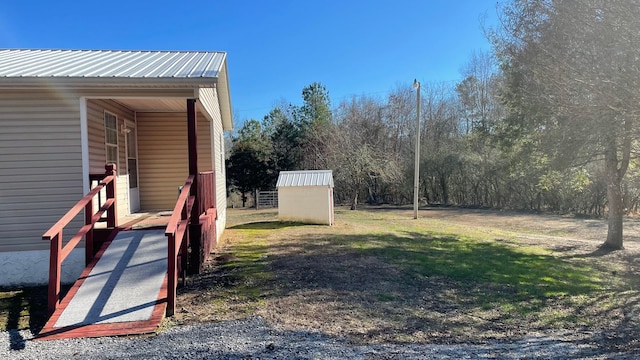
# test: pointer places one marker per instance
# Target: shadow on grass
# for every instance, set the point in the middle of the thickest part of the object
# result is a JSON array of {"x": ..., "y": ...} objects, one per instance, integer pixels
[
  {"x": 598, "y": 252},
  {"x": 491, "y": 274},
  {"x": 266, "y": 225},
  {"x": 21, "y": 309},
  {"x": 529, "y": 272},
  {"x": 25, "y": 307}
]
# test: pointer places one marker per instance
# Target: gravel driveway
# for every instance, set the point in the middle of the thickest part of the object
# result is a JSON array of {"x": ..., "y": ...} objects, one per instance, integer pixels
[{"x": 254, "y": 339}]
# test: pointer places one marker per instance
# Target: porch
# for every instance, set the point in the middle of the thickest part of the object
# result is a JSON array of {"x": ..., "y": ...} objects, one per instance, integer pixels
[
  {"x": 158, "y": 116},
  {"x": 130, "y": 282}
]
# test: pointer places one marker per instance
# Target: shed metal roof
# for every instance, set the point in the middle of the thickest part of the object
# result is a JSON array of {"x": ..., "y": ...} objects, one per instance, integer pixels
[
  {"x": 25, "y": 63},
  {"x": 305, "y": 178}
]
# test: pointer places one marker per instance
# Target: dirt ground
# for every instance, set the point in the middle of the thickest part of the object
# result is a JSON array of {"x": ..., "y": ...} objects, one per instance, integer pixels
[
  {"x": 568, "y": 228},
  {"x": 318, "y": 285}
]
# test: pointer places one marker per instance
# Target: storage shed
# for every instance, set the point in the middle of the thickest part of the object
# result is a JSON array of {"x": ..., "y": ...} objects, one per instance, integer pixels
[{"x": 306, "y": 196}]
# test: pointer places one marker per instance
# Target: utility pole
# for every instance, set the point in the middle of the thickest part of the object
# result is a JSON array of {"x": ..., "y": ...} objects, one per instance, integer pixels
[{"x": 416, "y": 176}]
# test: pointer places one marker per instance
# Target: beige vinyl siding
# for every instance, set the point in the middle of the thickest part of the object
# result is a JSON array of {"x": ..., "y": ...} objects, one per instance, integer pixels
[
  {"x": 221, "y": 177},
  {"x": 97, "y": 149},
  {"x": 122, "y": 195},
  {"x": 205, "y": 161},
  {"x": 95, "y": 124},
  {"x": 40, "y": 165},
  {"x": 163, "y": 156},
  {"x": 209, "y": 99}
]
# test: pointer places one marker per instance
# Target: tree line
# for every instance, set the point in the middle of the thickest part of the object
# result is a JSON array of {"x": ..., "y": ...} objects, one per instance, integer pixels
[{"x": 547, "y": 121}]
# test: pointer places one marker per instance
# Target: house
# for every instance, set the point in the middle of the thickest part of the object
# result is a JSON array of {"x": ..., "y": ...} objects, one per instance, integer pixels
[
  {"x": 64, "y": 114},
  {"x": 306, "y": 196}
]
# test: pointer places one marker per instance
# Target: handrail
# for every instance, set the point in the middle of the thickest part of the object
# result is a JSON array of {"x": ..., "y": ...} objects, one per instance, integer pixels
[
  {"x": 75, "y": 210},
  {"x": 177, "y": 230},
  {"x": 58, "y": 253},
  {"x": 175, "y": 214}
]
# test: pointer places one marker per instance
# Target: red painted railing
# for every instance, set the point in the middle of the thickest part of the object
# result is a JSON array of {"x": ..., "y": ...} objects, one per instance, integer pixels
[
  {"x": 185, "y": 231},
  {"x": 54, "y": 234},
  {"x": 206, "y": 191},
  {"x": 177, "y": 233},
  {"x": 207, "y": 214}
]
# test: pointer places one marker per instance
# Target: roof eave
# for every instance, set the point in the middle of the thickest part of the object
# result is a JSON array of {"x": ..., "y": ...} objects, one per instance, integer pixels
[
  {"x": 104, "y": 82},
  {"x": 225, "y": 97}
]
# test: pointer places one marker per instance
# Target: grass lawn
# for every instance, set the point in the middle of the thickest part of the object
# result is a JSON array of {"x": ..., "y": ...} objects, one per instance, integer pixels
[{"x": 379, "y": 275}]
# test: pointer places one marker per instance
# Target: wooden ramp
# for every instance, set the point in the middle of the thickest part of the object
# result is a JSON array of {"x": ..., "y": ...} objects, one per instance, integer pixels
[{"x": 123, "y": 291}]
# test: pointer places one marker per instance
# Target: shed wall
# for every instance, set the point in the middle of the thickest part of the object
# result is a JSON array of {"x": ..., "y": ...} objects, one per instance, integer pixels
[{"x": 309, "y": 204}]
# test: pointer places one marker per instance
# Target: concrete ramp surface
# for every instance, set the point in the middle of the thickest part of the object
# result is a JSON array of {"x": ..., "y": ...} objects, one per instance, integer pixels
[{"x": 121, "y": 292}]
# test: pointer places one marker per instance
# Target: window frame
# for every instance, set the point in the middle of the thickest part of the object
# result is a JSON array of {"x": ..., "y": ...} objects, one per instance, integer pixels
[{"x": 107, "y": 144}]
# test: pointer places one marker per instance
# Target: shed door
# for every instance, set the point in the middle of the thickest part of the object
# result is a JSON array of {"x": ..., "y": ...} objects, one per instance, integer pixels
[{"x": 132, "y": 166}]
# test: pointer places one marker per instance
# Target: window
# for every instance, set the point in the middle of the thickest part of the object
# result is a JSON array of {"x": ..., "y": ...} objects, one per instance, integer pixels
[{"x": 111, "y": 138}]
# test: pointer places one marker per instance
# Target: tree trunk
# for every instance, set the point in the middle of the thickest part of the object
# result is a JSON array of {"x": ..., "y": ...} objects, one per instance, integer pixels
[
  {"x": 445, "y": 189},
  {"x": 616, "y": 170},
  {"x": 616, "y": 213},
  {"x": 614, "y": 200},
  {"x": 354, "y": 204}
]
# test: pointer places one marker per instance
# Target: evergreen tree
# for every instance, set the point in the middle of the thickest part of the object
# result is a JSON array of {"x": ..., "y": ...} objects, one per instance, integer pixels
[
  {"x": 248, "y": 166},
  {"x": 571, "y": 85}
]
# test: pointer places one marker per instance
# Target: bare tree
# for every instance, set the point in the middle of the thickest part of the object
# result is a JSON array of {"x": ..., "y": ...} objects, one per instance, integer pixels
[{"x": 358, "y": 154}]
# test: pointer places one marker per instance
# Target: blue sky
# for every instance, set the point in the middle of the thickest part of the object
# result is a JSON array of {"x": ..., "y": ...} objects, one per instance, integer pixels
[{"x": 275, "y": 48}]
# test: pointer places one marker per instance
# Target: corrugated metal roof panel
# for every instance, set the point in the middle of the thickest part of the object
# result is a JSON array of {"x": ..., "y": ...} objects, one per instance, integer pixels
[
  {"x": 305, "y": 178},
  {"x": 110, "y": 64}
]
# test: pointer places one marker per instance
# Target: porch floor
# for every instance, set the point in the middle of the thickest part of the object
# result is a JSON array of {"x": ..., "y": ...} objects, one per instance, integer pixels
[
  {"x": 122, "y": 292},
  {"x": 145, "y": 220}
]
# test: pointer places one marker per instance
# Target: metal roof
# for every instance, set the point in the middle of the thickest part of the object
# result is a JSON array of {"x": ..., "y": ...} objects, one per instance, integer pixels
[
  {"x": 305, "y": 178},
  {"x": 18, "y": 63}
]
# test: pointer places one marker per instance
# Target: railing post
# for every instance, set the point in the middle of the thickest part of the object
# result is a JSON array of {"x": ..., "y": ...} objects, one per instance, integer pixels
[
  {"x": 192, "y": 139},
  {"x": 184, "y": 246},
  {"x": 112, "y": 213},
  {"x": 171, "y": 276},
  {"x": 88, "y": 238},
  {"x": 184, "y": 250},
  {"x": 54, "y": 272}
]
